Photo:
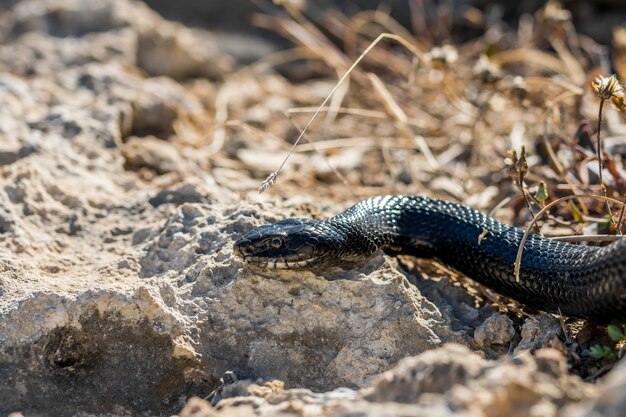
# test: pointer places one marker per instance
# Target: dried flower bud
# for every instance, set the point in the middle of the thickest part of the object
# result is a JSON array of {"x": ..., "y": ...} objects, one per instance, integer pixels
[
  {"x": 606, "y": 86},
  {"x": 609, "y": 88},
  {"x": 511, "y": 163},
  {"x": 522, "y": 165},
  {"x": 442, "y": 56}
]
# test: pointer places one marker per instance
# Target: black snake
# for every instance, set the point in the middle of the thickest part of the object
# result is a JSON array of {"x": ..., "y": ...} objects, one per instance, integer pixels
[{"x": 574, "y": 280}]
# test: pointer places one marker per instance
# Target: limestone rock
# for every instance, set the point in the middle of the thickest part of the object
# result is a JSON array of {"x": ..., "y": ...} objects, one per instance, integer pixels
[
  {"x": 152, "y": 153},
  {"x": 537, "y": 331},
  {"x": 159, "y": 47},
  {"x": 497, "y": 329},
  {"x": 434, "y": 371},
  {"x": 447, "y": 381}
]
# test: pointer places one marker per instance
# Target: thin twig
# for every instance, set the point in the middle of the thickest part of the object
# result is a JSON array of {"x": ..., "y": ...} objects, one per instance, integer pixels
[
  {"x": 599, "y": 155},
  {"x": 424, "y": 121},
  {"x": 271, "y": 179},
  {"x": 588, "y": 238},
  {"x": 374, "y": 114},
  {"x": 339, "y": 175},
  {"x": 518, "y": 258},
  {"x": 525, "y": 193},
  {"x": 379, "y": 18},
  {"x": 621, "y": 216},
  {"x": 501, "y": 204}
]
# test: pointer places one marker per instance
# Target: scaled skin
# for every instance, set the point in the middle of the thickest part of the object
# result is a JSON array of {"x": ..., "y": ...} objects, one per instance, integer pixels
[{"x": 575, "y": 280}]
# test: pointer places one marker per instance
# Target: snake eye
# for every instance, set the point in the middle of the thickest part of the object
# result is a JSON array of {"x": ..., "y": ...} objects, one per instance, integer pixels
[{"x": 276, "y": 242}]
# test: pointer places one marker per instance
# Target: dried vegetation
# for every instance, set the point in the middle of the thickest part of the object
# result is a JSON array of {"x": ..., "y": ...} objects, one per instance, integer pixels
[{"x": 505, "y": 119}]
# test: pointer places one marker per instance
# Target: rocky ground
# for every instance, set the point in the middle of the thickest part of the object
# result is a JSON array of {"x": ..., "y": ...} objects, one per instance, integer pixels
[{"x": 130, "y": 157}]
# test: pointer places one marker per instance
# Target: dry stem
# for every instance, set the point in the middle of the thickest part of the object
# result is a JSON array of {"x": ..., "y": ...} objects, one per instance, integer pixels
[
  {"x": 518, "y": 258},
  {"x": 271, "y": 179}
]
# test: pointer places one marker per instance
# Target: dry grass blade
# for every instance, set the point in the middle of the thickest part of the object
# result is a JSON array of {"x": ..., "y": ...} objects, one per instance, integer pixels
[
  {"x": 621, "y": 216},
  {"x": 520, "y": 250},
  {"x": 607, "y": 88},
  {"x": 394, "y": 110},
  {"x": 574, "y": 69},
  {"x": 530, "y": 57},
  {"x": 352, "y": 142},
  {"x": 339, "y": 175},
  {"x": 377, "y": 17},
  {"x": 588, "y": 238},
  {"x": 221, "y": 116},
  {"x": 374, "y": 114},
  {"x": 255, "y": 131},
  {"x": 425, "y": 121},
  {"x": 230, "y": 88},
  {"x": 556, "y": 161},
  {"x": 271, "y": 179}
]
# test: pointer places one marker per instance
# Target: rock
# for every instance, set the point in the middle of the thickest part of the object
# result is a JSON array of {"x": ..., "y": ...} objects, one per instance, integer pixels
[
  {"x": 610, "y": 401},
  {"x": 100, "y": 347},
  {"x": 434, "y": 371},
  {"x": 42, "y": 54},
  {"x": 197, "y": 407},
  {"x": 145, "y": 106},
  {"x": 466, "y": 382},
  {"x": 152, "y": 153},
  {"x": 295, "y": 326},
  {"x": 158, "y": 47},
  {"x": 497, "y": 329},
  {"x": 231, "y": 387},
  {"x": 537, "y": 331},
  {"x": 190, "y": 191},
  {"x": 447, "y": 381}
]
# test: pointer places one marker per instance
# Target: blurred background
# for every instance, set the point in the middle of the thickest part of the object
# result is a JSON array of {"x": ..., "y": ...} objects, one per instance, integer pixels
[{"x": 593, "y": 18}]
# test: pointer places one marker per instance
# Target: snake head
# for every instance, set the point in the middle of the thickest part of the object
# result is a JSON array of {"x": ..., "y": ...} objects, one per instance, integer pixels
[{"x": 288, "y": 244}]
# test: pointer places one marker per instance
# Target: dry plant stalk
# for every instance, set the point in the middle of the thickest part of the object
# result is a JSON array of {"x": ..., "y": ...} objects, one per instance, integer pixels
[
  {"x": 621, "y": 216},
  {"x": 518, "y": 169},
  {"x": 271, "y": 179},
  {"x": 588, "y": 238},
  {"x": 520, "y": 250},
  {"x": 339, "y": 175},
  {"x": 607, "y": 88}
]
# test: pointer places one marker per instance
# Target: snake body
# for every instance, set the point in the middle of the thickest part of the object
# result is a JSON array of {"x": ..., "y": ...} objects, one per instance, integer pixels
[{"x": 574, "y": 280}]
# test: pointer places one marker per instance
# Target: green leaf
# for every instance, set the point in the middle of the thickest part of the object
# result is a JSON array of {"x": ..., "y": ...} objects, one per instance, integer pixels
[
  {"x": 596, "y": 352},
  {"x": 615, "y": 333},
  {"x": 576, "y": 213},
  {"x": 601, "y": 352},
  {"x": 542, "y": 193}
]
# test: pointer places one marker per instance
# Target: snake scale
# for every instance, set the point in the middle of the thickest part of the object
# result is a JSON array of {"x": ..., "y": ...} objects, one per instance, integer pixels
[{"x": 579, "y": 281}]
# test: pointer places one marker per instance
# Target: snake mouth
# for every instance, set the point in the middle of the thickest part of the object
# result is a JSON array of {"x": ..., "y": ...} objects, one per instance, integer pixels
[{"x": 278, "y": 264}]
